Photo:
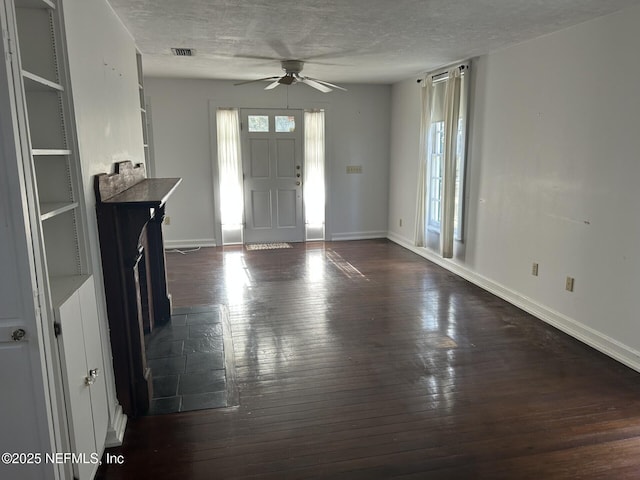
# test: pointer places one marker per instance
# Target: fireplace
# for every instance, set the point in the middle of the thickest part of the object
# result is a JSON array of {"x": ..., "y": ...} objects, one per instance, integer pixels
[{"x": 130, "y": 210}]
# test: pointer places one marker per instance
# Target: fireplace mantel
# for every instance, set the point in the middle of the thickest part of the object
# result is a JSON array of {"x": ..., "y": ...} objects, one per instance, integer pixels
[{"x": 130, "y": 210}]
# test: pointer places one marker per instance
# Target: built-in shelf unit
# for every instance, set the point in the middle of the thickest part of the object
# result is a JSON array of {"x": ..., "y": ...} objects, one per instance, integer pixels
[
  {"x": 55, "y": 161},
  {"x": 49, "y": 140}
]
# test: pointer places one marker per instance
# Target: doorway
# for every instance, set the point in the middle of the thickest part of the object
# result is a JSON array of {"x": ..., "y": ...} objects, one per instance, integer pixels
[{"x": 272, "y": 164}]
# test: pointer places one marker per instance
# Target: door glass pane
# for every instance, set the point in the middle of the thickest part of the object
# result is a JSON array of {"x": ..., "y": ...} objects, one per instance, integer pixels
[
  {"x": 285, "y": 123},
  {"x": 258, "y": 123}
]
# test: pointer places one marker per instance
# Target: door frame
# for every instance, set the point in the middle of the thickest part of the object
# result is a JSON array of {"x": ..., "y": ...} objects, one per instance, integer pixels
[
  {"x": 275, "y": 233},
  {"x": 235, "y": 99}
]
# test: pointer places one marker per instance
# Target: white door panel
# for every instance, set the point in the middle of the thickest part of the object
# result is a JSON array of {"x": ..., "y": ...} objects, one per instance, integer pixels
[
  {"x": 260, "y": 210},
  {"x": 260, "y": 160},
  {"x": 93, "y": 346},
  {"x": 272, "y": 165},
  {"x": 77, "y": 392},
  {"x": 286, "y": 158},
  {"x": 286, "y": 209},
  {"x": 17, "y": 404}
]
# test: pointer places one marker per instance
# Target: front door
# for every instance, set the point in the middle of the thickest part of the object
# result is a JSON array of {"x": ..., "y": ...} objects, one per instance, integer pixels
[{"x": 272, "y": 167}]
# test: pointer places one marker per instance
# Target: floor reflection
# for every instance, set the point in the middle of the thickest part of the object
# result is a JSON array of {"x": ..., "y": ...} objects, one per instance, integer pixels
[
  {"x": 237, "y": 276},
  {"x": 304, "y": 317}
]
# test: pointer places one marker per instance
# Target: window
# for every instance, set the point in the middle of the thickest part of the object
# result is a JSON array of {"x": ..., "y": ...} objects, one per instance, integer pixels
[
  {"x": 258, "y": 123},
  {"x": 285, "y": 123},
  {"x": 439, "y": 206},
  {"x": 435, "y": 158}
]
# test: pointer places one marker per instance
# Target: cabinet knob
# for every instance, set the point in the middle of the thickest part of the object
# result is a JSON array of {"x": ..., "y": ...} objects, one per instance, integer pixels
[
  {"x": 91, "y": 378},
  {"x": 18, "y": 334}
]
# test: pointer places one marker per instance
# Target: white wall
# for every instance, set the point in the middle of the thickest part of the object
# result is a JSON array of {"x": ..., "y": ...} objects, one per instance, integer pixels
[
  {"x": 357, "y": 124},
  {"x": 105, "y": 93},
  {"x": 553, "y": 167},
  {"x": 403, "y": 168}
]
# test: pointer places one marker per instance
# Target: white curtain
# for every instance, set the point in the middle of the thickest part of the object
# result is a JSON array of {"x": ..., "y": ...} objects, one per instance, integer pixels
[
  {"x": 230, "y": 168},
  {"x": 440, "y": 103},
  {"x": 447, "y": 204},
  {"x": 314, "y": 196},
  {"x": 425, "y": 125}
]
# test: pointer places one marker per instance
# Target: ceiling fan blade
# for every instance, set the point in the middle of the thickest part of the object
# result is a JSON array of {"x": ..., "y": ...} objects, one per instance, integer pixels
[
  {"x": 328, "y": 84},
  {"x": 316, "y": 85},
  {"x": 288, "y": 79},
  {"x": 273, "y": 85},
  {"x": 266, "y": 79}
]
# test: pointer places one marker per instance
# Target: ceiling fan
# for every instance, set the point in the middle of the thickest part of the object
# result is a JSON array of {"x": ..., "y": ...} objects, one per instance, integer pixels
[{"x": 292, "y": 69}]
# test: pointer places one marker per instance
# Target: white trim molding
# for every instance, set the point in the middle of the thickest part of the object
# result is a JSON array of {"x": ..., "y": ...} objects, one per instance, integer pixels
[
  {"x": 115, "y": 433},
  {"x": 603, "y": 343},
  {"x": 190, "y": 243},
  {"x": 358, "y": 235}
]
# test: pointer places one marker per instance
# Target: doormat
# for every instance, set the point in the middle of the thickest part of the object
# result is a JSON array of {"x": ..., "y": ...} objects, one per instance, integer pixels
[{"x": 267, "y": 246}]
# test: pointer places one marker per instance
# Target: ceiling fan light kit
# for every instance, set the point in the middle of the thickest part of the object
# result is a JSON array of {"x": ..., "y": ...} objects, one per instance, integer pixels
[{"x": 292, "y": 69}]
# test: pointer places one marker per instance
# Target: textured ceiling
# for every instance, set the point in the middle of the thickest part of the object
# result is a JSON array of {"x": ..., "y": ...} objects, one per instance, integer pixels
[{"x": 363, "y": 41}]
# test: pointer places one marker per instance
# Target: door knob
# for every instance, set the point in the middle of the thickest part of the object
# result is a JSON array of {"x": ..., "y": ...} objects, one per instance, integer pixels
[{"x": 298, "y": 183}]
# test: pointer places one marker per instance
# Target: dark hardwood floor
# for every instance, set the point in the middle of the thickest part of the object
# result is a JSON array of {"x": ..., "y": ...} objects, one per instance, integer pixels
[{"x": 361, "y": 360}]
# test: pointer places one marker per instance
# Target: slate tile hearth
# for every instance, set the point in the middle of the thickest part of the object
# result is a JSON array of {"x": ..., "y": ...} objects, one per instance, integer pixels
[{"x": 187, "y": 360}]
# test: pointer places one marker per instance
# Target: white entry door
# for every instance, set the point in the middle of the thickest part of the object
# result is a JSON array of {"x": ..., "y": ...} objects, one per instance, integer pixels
[{"x": 272, "y": 167}]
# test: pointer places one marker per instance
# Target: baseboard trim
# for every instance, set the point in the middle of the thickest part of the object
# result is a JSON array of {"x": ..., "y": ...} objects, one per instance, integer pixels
[
  {"x": 595, "y": 339},
  {"x": 337, "y": 237},
  {"x": 115, "y": 432},
  {"x": 195, "y": 243}
]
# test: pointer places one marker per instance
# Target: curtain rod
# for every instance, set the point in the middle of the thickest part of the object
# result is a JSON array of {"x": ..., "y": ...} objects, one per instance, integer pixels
[{"x": 446, "y": 72}]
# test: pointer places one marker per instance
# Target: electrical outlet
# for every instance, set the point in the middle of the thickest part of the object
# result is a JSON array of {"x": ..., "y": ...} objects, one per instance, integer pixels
[
  {"x": 400, "y": 222},
  {"x": 569, "y": 284},
  {"x": 167, "y": 220},
  {"x": 534, "y": 269}
]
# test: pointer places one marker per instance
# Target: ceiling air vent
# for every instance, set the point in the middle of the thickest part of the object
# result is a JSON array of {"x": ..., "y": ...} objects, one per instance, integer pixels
[{"x": 183, "y": 52}]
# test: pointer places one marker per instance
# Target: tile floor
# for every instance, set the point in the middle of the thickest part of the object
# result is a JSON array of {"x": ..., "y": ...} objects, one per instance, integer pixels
[{"x": 186, "y": 358}]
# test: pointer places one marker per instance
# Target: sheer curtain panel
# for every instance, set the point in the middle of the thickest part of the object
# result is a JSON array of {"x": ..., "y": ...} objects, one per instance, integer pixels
[
  {"x": 314, "y": 194},
  {"x": 425, "y": 127},
  {"x": 448, "y": 202},
  {"x": 230, "y": 175}
]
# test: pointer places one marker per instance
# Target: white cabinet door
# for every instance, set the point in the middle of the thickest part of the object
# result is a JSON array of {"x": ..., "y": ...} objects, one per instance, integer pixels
[
  {"x": 77, "y": 392},
  {"x": 82, "y": 371},
  {"x": 93, "y": 347}
]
